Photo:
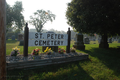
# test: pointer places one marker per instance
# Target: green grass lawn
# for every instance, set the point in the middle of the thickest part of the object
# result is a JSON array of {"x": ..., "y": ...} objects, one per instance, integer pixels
[{"x": 103, "y": 64}]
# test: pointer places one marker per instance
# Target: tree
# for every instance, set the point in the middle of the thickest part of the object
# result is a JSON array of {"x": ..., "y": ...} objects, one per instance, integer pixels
[
  {"x": 40, "y": 18},
  {"x": 95, "y": 16},
  {"x": 3, "y": 71},
  {"x": 14, "y": 16}
]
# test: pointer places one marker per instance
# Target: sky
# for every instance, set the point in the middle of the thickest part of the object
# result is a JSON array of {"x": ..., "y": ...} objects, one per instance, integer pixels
[{"x": 57, "y": 7}]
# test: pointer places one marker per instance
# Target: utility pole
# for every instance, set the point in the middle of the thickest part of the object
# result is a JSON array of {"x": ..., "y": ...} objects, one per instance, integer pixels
[{"x": 2, "y": 40}]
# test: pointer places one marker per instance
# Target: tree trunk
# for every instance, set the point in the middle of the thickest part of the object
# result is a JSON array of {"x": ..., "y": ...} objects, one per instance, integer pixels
[
  {"x": 103, "y": 42},
  {"x": 2, "y": 40}
]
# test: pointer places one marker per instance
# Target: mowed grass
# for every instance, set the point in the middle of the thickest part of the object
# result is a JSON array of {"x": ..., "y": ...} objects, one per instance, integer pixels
[{"x": 103, "y": 64}]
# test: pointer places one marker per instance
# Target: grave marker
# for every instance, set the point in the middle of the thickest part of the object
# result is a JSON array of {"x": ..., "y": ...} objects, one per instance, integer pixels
[
  {"x": 21, "y": 39},
  {"x": 13, "y": 37},
  {"x": 118, "y": 40},
  {"x": 86, "y": 40},
  {"x": 79, "y": 44},
  {"x": 109, "y": 40}
]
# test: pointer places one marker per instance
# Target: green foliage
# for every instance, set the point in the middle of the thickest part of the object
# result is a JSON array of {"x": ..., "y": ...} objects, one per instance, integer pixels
[
  {"x": 16, "y": 33},
  {"x": 9, "y": 35},
  {"x": 94, "y": 16},
  {"x": 40, "y": 18},
  {"x": 14, "y": 16},
  {"x": 11, "y": 32}
]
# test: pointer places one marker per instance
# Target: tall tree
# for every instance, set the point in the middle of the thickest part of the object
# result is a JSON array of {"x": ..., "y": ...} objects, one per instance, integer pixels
[
  {"x": 40, "y": 18},
  {"x": 95, "y": 16},
  {"x": 14, "y": 16}
]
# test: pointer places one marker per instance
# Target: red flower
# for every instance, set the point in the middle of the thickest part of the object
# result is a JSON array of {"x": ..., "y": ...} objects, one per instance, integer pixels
[
  {"x": 59, "y": 51},
  {"x": 37, "y": 50},
  {"x": 33, "y": 53},
  {"x": 64, "y": 50}
]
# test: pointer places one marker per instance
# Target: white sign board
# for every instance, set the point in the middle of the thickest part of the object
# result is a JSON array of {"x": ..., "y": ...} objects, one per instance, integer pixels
[{"x": 47, "y": 39}]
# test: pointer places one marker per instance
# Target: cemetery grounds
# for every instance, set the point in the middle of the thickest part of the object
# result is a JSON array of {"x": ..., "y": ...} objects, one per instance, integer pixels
[{"x": 103, "y": 64}]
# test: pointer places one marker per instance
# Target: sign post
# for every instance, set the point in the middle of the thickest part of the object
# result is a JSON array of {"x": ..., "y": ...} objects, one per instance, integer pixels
[
  {"x": 2, "y": 40},
  {"x": 69, "y": 39},
  {"x": 26, "y": 32}
]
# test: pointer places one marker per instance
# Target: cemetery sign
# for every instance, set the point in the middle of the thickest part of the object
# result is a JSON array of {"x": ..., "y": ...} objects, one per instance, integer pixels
[{"x": 47, "y": 39}]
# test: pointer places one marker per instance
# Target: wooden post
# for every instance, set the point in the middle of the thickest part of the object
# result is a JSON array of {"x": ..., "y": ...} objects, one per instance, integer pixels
[
  {"x": 2, "y": 40},
  {"x": 69, "y": 39},
  {"x": 26, "y": 33}
]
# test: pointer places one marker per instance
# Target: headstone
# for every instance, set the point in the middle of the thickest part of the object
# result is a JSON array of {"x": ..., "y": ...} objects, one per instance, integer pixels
[
  {"x": 20, "y": 38},
  {"x": 94, "y": 39},
  {"x": 53, "y": 48},
  {"x": 110, "y": 40},
  {"x": 103, "y": 42},
  {"x": 99, "y": 39},
  {"x": 21, "y": 43},
  {"x": 113, "y": 39},
  {"x": 86, "y": 40},
  {"x": 79, "y": 42},
  {"x": 118, "y": 40},
  {"x": 13, "y": 37},
  {"x": 6, "y": 37}
]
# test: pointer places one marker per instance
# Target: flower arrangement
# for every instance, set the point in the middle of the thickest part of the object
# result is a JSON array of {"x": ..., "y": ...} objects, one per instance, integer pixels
[
  {"x": 61, "y": 50},
  {"x": 15, "y": 51},
  {"x": 72, "y": 50},
  {"x": 48, "y": 51},
  {"x": 35, "y": 51}
]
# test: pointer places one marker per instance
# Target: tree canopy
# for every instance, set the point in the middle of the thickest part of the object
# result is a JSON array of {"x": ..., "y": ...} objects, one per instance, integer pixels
[
  {"x": 94, "y": 16},
  {"x": 40, "y": 18},
  {"x": 14, "y": 16}
]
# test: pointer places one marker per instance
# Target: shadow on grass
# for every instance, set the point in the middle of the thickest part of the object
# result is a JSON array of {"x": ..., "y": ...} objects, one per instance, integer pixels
[
  {"x": 110, "y": 57},
  {"x": 66, "y": 71}
]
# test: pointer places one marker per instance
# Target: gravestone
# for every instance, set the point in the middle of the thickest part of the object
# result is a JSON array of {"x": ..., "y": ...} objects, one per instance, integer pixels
[
  {"x": 103, "y": 42},
  {"x": 110, "y": 40},
  {"x": 79, "y": 42},
  {"x": 118, "y": 40},
  {"x": 113, "y": 39},
  {"x": 6, "y": 37},
  {"x": 13, "y": 37},
  {"x": 53, "y": 48},
  {"x": 20, "y": 38},
  {"x": 99, "y": 39},
  {"x": 94, "y": 39},
  {"x": 86, "y": 40}
]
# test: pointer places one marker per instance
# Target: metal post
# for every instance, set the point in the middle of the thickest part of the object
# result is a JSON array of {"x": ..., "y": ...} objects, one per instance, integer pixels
[
  {"x": 69, "y": 39},
  {"x": 2, "y": 40},
  {"x": 26, "y": 33}
]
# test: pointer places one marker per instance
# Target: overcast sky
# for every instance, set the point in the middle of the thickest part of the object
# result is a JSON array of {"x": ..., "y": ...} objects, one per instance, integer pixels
[{"x": 57, "y": 7}]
